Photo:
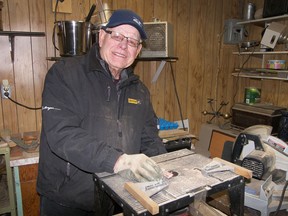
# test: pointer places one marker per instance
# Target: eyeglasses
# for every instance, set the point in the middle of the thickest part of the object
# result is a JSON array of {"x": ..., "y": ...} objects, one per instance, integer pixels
[{"x": 120, "y": 37}]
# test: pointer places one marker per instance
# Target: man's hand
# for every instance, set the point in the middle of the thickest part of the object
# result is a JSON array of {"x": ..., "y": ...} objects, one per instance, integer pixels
[{"x": 139, "y": 167}]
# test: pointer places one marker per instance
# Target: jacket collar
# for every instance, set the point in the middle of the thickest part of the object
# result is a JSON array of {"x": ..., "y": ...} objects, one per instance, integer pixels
[{"x": 94, "y": 59}]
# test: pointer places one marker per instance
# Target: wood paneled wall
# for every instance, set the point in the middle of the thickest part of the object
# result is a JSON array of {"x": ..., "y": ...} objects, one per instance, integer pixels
[{"x": 203, "y": 70}]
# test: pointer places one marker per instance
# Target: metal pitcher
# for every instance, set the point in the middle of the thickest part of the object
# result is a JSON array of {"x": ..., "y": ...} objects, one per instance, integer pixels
[{"x": 74, "y": 37}]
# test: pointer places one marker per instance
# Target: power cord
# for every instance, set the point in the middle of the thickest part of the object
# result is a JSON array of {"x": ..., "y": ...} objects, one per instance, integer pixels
[
  {"x": 238, "y": 75},
  {"x": 6, "y": 94},
  {"x": 281, "y": 199},
  {"x": 177, "y": 97}
]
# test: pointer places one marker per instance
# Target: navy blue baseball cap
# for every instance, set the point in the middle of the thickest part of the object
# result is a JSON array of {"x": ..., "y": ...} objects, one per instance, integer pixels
[{"x": 123, "y": 16}]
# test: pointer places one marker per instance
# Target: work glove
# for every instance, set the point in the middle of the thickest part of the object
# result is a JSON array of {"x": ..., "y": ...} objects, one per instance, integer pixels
[{"x": 138, "y": 167}]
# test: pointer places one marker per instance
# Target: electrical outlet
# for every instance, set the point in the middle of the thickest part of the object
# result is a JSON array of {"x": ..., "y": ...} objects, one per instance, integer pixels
[{"x": 5, "y": 88}]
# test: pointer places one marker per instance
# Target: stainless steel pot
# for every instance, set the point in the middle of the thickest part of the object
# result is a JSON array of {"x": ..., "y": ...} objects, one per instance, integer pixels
[{"x": 74, "y": 37}]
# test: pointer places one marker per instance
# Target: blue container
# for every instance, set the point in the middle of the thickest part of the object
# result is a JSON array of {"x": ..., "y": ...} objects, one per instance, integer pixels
[{"x": 166, "y": 125}]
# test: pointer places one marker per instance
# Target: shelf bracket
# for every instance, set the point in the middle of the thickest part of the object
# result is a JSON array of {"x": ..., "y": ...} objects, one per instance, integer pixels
[
  {"x": 12, "y": 45},
  {"x": 161, "y": 66},
  {"x": 158, "y": 72},
  {"x": 13, "y": 34}
]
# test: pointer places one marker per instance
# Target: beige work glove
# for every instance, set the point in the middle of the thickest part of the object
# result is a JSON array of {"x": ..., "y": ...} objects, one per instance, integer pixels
[{"x": 138, "y": 167}]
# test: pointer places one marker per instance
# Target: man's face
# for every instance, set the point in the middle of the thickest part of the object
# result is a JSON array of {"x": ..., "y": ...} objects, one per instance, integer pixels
[{"x": 119, "y": 54}]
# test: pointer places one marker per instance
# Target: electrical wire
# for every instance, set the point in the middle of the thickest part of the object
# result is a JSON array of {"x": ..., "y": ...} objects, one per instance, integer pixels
[
  {"x": 219, "y": 61},
  {"x": 27, "y": 107},
  {"x": 281, "y": 199},
  {"x": 238, "y": 74},
  {"x": 177, "y": 97},
  {"x": 55, "y": 21},
  {"x": 55, "y": 10}
]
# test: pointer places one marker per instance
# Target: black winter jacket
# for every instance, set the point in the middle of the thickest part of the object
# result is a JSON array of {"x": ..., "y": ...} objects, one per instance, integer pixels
[{"x": 88, "y": 122}]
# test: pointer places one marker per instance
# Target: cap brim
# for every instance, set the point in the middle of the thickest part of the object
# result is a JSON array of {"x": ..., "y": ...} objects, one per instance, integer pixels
[{"x": 140, "y": 30}]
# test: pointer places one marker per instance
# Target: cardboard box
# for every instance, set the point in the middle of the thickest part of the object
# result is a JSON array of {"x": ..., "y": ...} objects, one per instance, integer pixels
[{"x": 272, "y": 33}]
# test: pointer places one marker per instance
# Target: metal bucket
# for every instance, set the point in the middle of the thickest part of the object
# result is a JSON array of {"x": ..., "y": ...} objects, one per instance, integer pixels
[{"x": 74, "y": 37}]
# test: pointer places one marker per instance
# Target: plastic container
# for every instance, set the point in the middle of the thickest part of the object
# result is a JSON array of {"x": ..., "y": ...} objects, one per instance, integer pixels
[
  {"x": 276, "y": 64},
  {"x": 166, "y": 125}
]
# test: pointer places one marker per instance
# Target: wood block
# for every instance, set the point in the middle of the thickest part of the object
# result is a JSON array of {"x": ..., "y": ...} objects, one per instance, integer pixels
[
  {"x": 237, "y": 169},
  {"x": 32, "y": 135},
  {"x": 142, "y": 197},
  {"x": 15, "y": 151},
  {"x": 172, "y": 133}
]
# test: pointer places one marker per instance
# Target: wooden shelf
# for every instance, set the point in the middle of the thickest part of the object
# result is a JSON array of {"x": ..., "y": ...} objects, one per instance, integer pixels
[
  {"x": 13, "y": 34},
  {"x": 21, "y": 33},
  {"x": 168, "y": 59},
  {"x": 260, "y": 53},
  {"x": 262, "y": 73},
  {"x": 157, "y": 73}
]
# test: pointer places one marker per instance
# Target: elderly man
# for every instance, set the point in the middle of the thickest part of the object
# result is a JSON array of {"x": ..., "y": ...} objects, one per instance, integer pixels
[{"x": 97, "y": 117}]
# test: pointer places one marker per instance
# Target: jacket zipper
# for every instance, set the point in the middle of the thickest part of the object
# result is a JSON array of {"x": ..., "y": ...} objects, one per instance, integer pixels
[
  {"x": 119, "y": 128},
  {"x": 68, "y": 170},
  {"x": 119, "y": 124},
  {"x": 108, "y": 93}
]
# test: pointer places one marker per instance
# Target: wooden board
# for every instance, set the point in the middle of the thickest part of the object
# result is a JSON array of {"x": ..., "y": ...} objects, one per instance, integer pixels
[
  {"x": 237, "y": 169},
  {"x": 172, "y": 133},
  {"x": 141, "y": 197}
]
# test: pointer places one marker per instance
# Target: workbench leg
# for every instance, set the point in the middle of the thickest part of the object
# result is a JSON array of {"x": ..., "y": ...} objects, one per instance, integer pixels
[
  {"x": 11, "y": 194},
  {"x": 103, "y": 203},
  {"x": 18, "y": 191},
  {"x": 236, "y": 195}
]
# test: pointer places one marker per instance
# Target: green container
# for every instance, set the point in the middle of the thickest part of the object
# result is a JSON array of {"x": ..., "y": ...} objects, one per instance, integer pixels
[{"x": 252, "y": 95}]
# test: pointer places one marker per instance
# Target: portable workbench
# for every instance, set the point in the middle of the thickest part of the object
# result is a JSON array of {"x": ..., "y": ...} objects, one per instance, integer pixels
[{"x": 187, "y": 184}]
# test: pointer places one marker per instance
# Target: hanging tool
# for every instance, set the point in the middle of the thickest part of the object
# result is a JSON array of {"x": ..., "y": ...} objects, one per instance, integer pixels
[{"x": 92, "y": 9}]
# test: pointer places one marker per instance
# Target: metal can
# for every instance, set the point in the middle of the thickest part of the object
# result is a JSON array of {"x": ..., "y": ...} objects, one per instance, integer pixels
[
  {"x": 252, "y": 95},
  {"x": 249, "y": 11}
]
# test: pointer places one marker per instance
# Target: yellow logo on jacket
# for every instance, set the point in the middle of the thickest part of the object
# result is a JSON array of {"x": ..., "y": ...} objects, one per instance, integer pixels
[{"x": 133, "y": 101}]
